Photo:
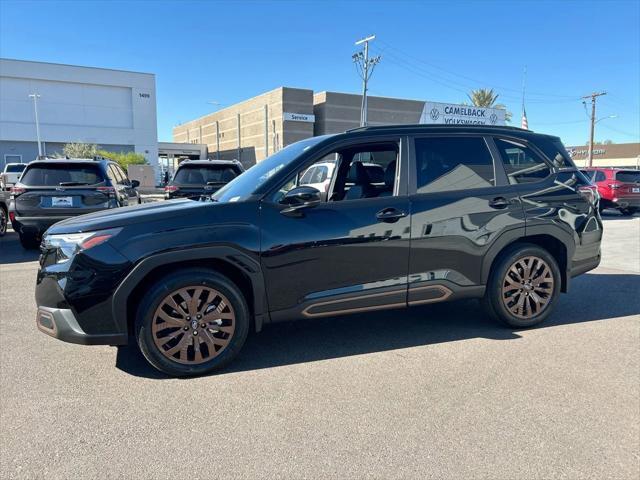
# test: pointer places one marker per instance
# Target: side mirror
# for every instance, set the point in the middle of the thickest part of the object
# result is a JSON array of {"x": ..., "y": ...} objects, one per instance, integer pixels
[
  {"x": 300, "y": 198},
  {"x": 135, "y": 183}
]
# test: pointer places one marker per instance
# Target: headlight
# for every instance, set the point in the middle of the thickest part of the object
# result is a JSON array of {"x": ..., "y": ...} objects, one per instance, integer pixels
[{"x": 66, "y": 245}]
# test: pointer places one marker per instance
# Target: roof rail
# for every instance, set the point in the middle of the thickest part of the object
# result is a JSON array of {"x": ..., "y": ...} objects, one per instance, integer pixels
[{"x": 433, "y": 125}]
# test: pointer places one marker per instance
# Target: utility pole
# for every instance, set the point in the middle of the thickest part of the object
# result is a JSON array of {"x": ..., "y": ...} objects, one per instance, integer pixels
[
  {"x": 365, "y": 66},
  {"x": 35, "y": 97},
  {"x": 593, "y": 97}
]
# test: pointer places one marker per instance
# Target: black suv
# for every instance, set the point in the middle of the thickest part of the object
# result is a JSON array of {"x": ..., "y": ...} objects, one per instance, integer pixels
[
  {"x": 52, "y": 190},
  {"x": 197, "y": 178},
  {"x": 495, "y": 213}
]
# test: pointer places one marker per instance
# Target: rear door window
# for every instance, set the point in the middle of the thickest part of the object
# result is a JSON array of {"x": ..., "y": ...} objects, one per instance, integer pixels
[
  {"x": 55, "y": 174},
  {"x": 453, "y": 163},
  {"x": 628, "y": 176},
  {"x": 600, "y": 176},
  {"x": 522, "y": 165}
]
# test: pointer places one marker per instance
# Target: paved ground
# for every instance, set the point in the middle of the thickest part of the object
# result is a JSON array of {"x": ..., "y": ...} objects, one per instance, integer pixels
[{"x": 438, "y": 392}]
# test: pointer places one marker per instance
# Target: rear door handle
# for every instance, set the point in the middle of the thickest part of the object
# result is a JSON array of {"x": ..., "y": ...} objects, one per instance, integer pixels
[
  {"x": 390, "y": 215},
  {"x": 499, "y": 203}
]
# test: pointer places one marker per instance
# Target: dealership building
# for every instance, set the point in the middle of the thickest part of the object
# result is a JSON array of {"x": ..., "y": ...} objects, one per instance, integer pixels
[
  {"x": 114, "y": 109},
  {"x": 625, "y": 155},
  {"x": 256, "y": 128}
]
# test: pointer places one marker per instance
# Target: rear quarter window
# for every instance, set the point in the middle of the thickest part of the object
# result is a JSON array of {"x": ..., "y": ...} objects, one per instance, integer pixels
[{"x": 54, "y": 174}]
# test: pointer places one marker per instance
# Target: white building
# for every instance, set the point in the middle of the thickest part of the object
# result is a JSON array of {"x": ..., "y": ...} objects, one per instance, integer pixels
[{"x": 112, "y": 108}]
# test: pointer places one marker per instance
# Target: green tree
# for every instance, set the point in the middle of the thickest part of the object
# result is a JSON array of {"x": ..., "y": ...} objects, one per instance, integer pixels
[
  {"x": 487, "y": 98},
  {"x": 80, "y": 150},
  {"x": 124, "y": 159}
]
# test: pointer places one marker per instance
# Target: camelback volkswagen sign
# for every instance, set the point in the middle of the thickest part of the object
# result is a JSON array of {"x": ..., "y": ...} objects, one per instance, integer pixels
[{"x": 454, "y": 114}]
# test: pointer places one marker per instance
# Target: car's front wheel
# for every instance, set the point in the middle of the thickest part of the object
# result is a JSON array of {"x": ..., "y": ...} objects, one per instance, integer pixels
[
  {"x": 192, "y": 322},
  {"x": 523, "y": 286}
]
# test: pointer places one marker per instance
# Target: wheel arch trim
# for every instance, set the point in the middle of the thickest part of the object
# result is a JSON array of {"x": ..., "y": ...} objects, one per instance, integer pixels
[
  {"x": 236, "y": 258},
  {"x": 521, "y": 234}
]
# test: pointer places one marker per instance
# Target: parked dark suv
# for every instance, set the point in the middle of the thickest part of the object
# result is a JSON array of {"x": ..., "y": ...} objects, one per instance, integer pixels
[
  {"x": 55, "y": 189},
  {"x": 197, "y": 178},
  {"x": 495, "y": 213}
]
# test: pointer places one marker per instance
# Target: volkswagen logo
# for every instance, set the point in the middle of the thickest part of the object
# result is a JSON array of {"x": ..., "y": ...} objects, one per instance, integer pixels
[
  {"x": 493, "y": 118},
  {"x": 434, "y": 114}
]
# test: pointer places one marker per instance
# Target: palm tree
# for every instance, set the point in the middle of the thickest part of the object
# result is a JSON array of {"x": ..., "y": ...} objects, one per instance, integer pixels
[{"x": 483, "y": 97}]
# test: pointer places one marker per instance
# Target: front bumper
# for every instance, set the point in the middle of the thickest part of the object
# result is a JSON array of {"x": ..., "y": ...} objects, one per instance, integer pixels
[{"x": 61, "y": 323}]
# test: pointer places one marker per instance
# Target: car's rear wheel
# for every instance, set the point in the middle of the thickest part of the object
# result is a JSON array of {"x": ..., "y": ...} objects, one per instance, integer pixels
[
  {"x": 29, "y": 241},
  {"x": 627, "y": 212},
  {"x": 192, "y": 322},
  {"x": 523, "y": 287},
  {"x": 3, "y": 221}
]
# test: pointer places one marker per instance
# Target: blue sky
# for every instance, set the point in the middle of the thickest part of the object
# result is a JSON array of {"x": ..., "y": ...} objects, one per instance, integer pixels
[{"x": 229, "y": 51}]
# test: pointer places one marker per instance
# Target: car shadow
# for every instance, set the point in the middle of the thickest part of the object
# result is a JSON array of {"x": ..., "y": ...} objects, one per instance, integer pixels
[
  {"x": 12, "y": 252},
  {"x": 322, "y": 339}
]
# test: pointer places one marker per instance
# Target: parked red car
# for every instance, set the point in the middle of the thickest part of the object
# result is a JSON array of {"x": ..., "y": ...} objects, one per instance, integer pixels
[{"x": 618, "y": 188}]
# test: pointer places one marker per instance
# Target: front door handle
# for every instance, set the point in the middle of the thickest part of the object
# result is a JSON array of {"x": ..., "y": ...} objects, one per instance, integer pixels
[
  {"x": 390, "y": 215},
  {"x": 499, "y": 203}
]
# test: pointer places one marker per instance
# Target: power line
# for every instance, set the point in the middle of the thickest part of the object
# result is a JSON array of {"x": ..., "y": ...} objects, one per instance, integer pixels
[
  {"x": 449, "y": 83},
  {"x": 476, "y": 81}
]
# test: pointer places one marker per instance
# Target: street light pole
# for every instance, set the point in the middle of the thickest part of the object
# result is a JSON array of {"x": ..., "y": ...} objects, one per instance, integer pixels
[{"x": 35, "y": 97}]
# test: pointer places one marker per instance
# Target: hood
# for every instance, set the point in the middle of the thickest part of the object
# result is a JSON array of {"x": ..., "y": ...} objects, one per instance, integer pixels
[{"x": 120, "y": 217}]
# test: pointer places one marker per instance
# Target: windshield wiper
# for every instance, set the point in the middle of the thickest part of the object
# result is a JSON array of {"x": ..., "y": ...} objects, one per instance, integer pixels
[{"x": 73, "y": 184}]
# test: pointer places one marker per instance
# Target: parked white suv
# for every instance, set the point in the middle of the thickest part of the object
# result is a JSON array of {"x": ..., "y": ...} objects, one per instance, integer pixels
[
  {"x": 318, "y": 176},
  {"x": 11, "y": 174}
]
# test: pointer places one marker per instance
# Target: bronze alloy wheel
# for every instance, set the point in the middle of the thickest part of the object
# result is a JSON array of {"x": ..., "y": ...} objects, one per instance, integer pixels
[
  {"x": 193, "y": 325},
  {"x": 527, "y": 287}
]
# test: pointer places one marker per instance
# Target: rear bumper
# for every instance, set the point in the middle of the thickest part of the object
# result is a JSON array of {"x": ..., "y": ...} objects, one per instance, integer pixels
[
  {"x": 578, "y": 268},
  {"x": 627, "y": 202},
  {"x": 34, "y": 225},
  {"x": 61, "y": 323}
]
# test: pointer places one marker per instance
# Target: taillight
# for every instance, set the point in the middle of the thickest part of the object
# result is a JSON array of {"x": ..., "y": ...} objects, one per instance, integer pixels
[
  {"x": 12, "y": 217},
  {"x": 590, "y": 193},
  {"x": 171, "y": 188},
  {"x": 15, "y": 191},
  {"x": 614, "y": 186},
  {"x": 108, "y": 191}
]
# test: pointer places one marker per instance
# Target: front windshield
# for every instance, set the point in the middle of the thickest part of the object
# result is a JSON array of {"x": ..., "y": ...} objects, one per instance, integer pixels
[{"x": 246, "y": 184}]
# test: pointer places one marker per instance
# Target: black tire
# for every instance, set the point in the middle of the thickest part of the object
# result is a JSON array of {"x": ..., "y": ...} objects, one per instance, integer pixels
[
  {"x": 493, "y": 300},
  {"x": 29, "y": 241},
  {"x": 4, "y": 219},
  {"x": 157, "y": 294}
]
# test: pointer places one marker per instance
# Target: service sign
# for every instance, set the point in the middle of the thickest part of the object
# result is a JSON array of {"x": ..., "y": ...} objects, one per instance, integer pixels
[
  {"x": 298, "y": 117},
  {"x": 454, "y": 114}
]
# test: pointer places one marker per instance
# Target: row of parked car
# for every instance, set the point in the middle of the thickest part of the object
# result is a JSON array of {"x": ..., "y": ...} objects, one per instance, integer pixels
[{"x": 36, "y": 195}]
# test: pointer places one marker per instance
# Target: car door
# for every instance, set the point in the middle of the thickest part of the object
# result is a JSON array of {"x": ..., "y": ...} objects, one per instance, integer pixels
[
  {"x": 461, "y": 204},
  {"x": 344, "y": 255}
]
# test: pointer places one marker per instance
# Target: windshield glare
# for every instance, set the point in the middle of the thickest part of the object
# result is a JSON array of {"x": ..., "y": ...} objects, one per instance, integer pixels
[{"x": 246, "y": 184}]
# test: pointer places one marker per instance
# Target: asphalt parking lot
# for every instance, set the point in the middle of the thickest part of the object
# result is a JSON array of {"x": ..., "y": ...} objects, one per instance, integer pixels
[{"x": 433, "y": 392}]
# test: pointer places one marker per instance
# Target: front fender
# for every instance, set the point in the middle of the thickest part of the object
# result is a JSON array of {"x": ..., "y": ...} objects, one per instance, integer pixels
[{"x": 228, "y": 254}]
